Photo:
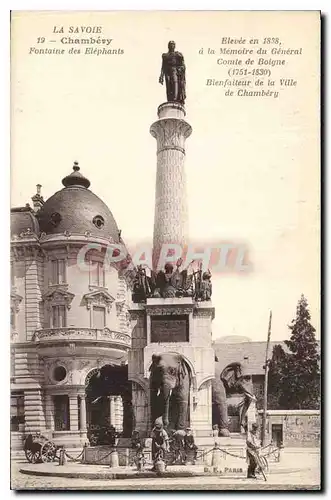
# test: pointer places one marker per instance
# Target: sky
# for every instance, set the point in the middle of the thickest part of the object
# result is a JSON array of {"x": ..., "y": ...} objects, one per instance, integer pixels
[{"x": 252, "y": 164}]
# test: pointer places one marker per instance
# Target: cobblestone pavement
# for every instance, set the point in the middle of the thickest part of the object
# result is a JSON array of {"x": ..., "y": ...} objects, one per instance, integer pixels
[{"x": 300, "y": 471}]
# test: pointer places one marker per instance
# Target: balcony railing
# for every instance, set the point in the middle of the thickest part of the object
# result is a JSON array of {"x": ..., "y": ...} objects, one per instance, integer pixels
[{"x": 92, "y": 334}]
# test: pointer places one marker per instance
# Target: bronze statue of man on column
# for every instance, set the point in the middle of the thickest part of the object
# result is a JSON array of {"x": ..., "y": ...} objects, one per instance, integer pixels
[{"x": 173, "y": 70}]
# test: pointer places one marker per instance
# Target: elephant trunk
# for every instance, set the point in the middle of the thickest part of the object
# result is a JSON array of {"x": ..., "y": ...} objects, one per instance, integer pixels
[{"x": 166, "y": 394}]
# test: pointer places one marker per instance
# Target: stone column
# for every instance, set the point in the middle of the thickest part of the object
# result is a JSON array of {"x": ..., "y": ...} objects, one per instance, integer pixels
[
  {"x": 82, "y": 413},
  {"x": 170, "y": 219},
  {"x": 33, "y": 292},
  {"x": 73, "y": 412},
  {"x": 112, "y": 420},
  {"x": 118, "y": 414},
  {"x": 49, "y": 412}
]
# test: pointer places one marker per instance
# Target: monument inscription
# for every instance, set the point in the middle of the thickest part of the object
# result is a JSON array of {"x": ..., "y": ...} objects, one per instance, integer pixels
[{"x": 170, "y": 329}]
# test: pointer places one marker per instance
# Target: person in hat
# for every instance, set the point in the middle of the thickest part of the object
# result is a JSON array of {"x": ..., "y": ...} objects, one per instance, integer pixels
[
  {"x": 177, "y": 445},
  {"x": 189, "y": 444},
  {"x": 253, "y": 445},
  {"x": 160, "y": 440},
  {"x": 137, "y": 445}
]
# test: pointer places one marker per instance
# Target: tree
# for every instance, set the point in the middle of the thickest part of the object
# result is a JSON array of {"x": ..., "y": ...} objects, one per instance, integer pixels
[
  {"x": 294, "y": 376},
  {"x": 277, "y": 380}
]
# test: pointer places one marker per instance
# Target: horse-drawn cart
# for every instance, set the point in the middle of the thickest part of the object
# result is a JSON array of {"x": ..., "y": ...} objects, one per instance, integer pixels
[{"x": 39, "y": 449}]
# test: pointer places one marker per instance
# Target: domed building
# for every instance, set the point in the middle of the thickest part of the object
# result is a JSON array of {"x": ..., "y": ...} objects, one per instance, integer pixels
[{"x": 70, "y": 329}]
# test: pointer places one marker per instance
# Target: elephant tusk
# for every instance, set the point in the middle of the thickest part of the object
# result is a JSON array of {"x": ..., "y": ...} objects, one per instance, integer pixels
[
  {"x": 170, "y": 393},
  {"x": 158, "y": 392}
]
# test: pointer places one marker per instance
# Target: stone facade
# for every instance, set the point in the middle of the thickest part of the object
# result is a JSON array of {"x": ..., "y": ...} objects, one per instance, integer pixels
[
  {"x": 67, "y": 320},
  {"x": 294, "y": 428},
  {"x": 196, "y": 351}
]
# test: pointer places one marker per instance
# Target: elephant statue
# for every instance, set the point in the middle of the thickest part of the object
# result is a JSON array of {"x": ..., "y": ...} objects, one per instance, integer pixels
[
  {"x": 170, "y": 389},
  {"x": 231, "y": 380}
]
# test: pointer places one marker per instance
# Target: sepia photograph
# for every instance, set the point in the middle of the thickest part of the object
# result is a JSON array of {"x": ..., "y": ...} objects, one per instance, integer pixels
[{"x": 165, "y": 220}]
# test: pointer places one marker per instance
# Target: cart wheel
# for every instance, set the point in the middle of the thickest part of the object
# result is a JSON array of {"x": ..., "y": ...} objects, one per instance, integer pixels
[
  {"x": 32, "y": 456},
  {"x": 48, "y": 452}
]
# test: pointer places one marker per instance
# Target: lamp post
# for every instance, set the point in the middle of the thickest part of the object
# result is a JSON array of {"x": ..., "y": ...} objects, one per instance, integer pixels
[{"x": 265, "y": 393}]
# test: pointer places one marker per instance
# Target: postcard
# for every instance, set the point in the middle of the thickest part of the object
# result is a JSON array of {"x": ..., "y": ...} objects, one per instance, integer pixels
[{"x": 165, "y": 250}]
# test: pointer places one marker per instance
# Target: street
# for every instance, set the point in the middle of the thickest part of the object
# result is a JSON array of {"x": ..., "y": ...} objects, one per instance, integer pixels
[{"x": 296, "y": 471}]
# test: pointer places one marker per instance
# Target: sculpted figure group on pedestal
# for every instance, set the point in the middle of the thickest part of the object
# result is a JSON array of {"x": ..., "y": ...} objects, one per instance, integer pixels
[{"x": 172, "y": 283}]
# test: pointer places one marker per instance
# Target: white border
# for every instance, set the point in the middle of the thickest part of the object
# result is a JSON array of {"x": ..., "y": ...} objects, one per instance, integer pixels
[{"x": 5, "y": 8}]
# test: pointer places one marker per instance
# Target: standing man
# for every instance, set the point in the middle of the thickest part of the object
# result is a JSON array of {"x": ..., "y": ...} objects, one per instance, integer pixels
[
  {"x": 253, "y": 445},
  {"x": 173, "y": 70}
]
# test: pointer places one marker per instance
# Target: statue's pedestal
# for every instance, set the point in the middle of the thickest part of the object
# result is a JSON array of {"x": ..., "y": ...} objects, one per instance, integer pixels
[
  {"x": 173, "y": 325},
  {"x": 229, "y": 459}
]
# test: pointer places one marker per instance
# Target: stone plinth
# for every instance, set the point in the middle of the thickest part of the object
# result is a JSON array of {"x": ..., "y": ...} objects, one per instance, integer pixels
[
  {"x": 229, "y": 458},
  {"x": 177, "y": 325},
  {"x": 69, "y": 439},
  {"x": 231, "y": 455},
  {"x": 102, "y": 455}
]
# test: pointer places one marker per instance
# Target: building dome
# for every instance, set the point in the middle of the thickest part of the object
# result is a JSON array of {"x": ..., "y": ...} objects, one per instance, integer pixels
[
  {"x": 23, "y": 220},
  {"x": 75, "y": 209}
]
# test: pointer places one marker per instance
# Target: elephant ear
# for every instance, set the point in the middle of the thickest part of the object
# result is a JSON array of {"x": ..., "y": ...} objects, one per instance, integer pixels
[
  {"x": 183, "y": 371},
  {"x": 230, "y": 375},
  {"x": 155, "y": 359}
]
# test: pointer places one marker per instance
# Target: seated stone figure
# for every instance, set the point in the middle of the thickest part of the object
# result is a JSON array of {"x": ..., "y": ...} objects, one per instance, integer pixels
[
  {"x": 190, "y": 446},
  {"x": 160, "y": 441},
  {"x": 165, "y": 282},
  {"x": 205, "y": 287},
  {"x": 137, "y": 445},
  {"x": 136, "y": 442},
  {"x": 177, "y": 445},
  {"x": 173, "y": 283}
]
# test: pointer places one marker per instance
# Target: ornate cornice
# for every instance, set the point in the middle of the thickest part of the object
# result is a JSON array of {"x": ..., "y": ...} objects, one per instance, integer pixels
[
  {"x": 15, "y": 301},
  {"x": 13, "y": 336},
  {"x": 58, "y": 295},
  {"x": 170, "y": 133},
  {"x": 135, "y": 314},
  {"x": 120, "y": 305},
  {"x": 160, "y": 311},
  {"x": 205, "y": 311},
  {"x": 97, "y": 298},
  {"x": 72, "y": 334}
]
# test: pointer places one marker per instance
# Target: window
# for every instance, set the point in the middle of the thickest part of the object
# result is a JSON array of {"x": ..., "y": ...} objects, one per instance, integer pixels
[
  {"x": 59, "y": 317},
  {"x": 12, "y": 318},
  {"x": 99, "y": 317},
  {"x": 98, "y": 221},
  {"x": 16, "y": 411},
  {"x": 57, "y": 272},
  {"x": 12, "y": 274},
  {"x": 55, "y": 219},
  {"x": 61, "y": 413},
  {"x": 97, "y": 274},
  {"x": 59, "y": 373}
]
